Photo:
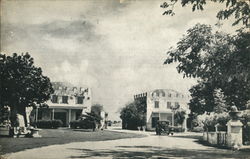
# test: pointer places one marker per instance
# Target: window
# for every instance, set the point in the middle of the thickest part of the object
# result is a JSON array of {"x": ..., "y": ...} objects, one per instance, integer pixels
[
  {"x": 65, "y": 99},
  {"x": 54, "y": 99},
  {"x": 156, "y": 104},
  {"x": 169, "y": 95},
  {"x": 79, "y": 100},
  {"x": 168, "y": 105},
  {"x": 177, "y": 95},
  {"x": 176, "y": 104},
  {"x": 163, "y": 94}
]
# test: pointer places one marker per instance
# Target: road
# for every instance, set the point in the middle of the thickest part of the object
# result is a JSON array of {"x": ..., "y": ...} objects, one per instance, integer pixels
[{"x": 152, "y": 146}]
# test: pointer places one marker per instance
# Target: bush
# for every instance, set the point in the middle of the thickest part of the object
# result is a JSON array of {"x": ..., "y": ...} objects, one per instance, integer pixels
[
  {"x": 197, "y": 129},
  {"x": 208, "y": 122},
  {"x": 82, "y": 124},
  {"x": 178, "y": 129},
  {"x": 49, "y": 124}
]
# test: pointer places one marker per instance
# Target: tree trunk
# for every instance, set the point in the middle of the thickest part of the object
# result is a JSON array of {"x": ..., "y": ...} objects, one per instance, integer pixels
[{"x": 16, "y": 112}]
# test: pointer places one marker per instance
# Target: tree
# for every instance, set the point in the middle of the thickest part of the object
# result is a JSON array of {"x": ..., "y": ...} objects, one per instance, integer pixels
[
  {"x": 179, "y": 116},
  {"x": 218, "y": 61},
  {"x": 240, "y": 9},
  {"x": 133, "y": 115},
  {"x": 22, "y": 84},
  {"x": 97, "y": 109}
]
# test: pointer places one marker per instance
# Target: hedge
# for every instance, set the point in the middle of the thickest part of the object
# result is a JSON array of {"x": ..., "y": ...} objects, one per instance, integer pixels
[
  {"x": 82, "y": 124},
  {"x": 49, "y": 124}
]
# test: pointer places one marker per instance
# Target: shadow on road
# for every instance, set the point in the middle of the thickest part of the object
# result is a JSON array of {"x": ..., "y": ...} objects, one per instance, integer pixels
[{"x": 159, "y": 152}]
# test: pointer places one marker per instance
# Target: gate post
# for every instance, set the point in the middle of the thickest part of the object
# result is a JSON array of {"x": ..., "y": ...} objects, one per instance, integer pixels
[{"x": 234, "y": 129}]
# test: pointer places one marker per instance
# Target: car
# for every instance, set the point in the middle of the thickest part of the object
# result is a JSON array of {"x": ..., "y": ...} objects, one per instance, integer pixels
[{"x": 163, "y": 127}]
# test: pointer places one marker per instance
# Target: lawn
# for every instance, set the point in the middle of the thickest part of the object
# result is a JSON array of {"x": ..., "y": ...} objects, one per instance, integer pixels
[{"x": 59, "y": 136}]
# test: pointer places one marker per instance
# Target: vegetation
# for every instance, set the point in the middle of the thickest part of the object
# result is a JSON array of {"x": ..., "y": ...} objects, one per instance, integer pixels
[
  {"x": 89, "y": 120},
  {"x": 209, "y": 122},
  {"x": 49, "y": 124},
  {"x": 179, "y": 116},
  {"x": 22, "y": 84},
  {"x": 133, "y": 115},
  {"x": 237, "y": 8},
  {"x": 220, "y": 62}
]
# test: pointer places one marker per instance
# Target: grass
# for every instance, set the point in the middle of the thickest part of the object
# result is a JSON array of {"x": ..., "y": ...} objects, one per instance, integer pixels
[{"x": 59, "y": 136}]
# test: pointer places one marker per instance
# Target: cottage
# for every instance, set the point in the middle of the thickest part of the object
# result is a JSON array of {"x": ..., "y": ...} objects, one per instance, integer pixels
[{"x": 67, "y": 103}]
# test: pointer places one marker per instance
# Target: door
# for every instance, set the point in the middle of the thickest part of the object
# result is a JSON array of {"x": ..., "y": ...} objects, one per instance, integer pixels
[{"x": 154, "y": 121}]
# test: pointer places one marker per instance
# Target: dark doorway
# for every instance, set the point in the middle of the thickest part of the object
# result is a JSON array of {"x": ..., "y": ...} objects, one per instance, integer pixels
[
  {"x": 78, "y": 114},
  {"x": 154, "y": 121},
  {"x": 61, "y": 116}
]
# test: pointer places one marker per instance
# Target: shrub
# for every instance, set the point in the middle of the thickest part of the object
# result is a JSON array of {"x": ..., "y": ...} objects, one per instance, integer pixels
[
  {"x": 198, "y": 129},
  {"x": 208, "y": 122},
  {"x": 49, "y": 124},
  {"x": 82, "y": 124},
  {"x": 178, "y": 129}
]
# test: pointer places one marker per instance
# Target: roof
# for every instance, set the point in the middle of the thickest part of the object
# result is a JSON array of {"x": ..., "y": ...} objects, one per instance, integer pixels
[{"x": 64, "y": 88}]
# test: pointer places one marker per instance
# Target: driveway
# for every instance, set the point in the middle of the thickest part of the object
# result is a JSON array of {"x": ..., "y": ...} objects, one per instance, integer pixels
[{"x": 151, "y": 146}]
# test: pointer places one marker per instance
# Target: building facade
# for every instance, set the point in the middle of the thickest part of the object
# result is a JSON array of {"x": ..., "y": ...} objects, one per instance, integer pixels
[
  {"x": 67, "y": 103},
  {"x": 160, "y": 104}
]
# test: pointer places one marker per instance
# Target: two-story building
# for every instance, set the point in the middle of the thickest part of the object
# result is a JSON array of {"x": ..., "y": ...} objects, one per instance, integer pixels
[
  {"x": 67, "y": 103},
  {"x": 160, "y": 104}
]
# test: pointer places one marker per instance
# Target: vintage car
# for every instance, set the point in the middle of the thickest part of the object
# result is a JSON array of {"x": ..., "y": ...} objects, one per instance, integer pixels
[{"x": 164, "y": 128}]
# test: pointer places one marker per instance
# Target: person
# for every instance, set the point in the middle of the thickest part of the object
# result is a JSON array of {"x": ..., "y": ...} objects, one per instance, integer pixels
[
  {"x": 158, "y": 128},
  {"x": 94, "y": 125}
]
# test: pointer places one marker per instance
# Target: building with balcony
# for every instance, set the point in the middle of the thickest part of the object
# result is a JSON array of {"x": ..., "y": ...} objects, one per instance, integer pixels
[
  {"x": 160, "y": 104},
  {"x": 67, "y": 103}
]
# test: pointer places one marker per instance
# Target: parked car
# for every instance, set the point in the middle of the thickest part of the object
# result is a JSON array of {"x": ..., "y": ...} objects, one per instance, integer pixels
[{"x": 163, "y": 127}]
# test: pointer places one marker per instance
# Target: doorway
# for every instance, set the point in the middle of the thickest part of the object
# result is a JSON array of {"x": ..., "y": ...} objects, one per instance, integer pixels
[{"x": 61, "y": 116}]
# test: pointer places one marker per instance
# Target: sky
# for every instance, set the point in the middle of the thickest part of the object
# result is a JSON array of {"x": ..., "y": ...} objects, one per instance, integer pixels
[{"x": 115, "y": 47}]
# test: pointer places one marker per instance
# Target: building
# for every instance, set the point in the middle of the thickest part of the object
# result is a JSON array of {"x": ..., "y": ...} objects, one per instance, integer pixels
[
  {"x": 160, "y": 104},
  {"x": 67, "y": 103}
]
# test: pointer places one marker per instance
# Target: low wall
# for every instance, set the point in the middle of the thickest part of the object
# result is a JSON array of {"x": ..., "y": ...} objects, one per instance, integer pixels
[
  {"x": 215, "y": 138},
  {"x": 212, "y": 138}
]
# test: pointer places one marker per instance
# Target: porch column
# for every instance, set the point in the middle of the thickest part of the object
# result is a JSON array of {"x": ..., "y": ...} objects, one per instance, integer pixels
[
  {"x": 36, "y": 114},
  {"x": 173, "y": 118},
  {"x": 69, "y": 116},
  {"x": 53, "y": 114}
]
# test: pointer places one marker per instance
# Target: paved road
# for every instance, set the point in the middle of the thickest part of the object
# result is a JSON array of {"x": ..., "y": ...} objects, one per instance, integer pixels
[{"x": 152, "y": 146}]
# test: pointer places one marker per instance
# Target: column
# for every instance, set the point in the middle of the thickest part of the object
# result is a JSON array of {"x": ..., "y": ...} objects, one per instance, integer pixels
[
  {"x": 69, "y": 116},
  {"x": 36, "y": 114},
  {"x": 53, "y": 114},
  {"x": 173, "y": 118}
]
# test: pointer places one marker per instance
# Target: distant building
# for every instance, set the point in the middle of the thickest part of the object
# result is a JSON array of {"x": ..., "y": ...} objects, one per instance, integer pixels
[
  {"x": 67, "y": 103},
  {"x": 159, "y": 105}
]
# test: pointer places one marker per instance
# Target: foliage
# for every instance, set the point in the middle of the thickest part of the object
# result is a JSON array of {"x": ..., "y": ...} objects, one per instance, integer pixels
[
  {"x": 22, "y": 84},
  {"x": 133, "y": 115},
  {"x": 197, "y": 129},
  {"x": 97, "y": 108},
  {"x": 4, "y": 114},
  {"x": 208, "y": 122},
  {"x": 178, "y": 129},
  {"x": 220, "y": 62},
  {"x": 179, "y": 116},
  {"x": 49, "y": 124},
  {"x": 82, "y": 124},
  {"x": 237, "y": 8}
]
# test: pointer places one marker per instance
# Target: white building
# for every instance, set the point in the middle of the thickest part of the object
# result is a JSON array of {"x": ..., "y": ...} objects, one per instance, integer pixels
[
  {"x": 159, "y": 103},
  {"x": 67, "y": 103}
]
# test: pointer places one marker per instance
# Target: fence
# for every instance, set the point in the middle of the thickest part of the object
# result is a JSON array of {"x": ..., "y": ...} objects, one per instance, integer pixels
[{"x": 222, "y": 138}]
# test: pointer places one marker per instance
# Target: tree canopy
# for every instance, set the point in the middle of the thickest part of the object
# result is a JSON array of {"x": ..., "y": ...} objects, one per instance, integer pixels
[
  {"x": 133, "y": 115},
  {"x": 240, "y": 9},
  {"x": 21, "y": 83},
  {"x": 218, "y": 61}
]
